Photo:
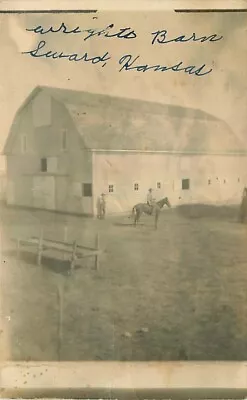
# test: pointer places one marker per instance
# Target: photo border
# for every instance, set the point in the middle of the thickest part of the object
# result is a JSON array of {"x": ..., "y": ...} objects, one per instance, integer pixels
[{"x": 129, "y": 380}]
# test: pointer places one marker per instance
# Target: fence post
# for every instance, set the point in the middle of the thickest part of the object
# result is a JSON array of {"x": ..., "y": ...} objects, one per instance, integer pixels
[
  {"x": 73, "y": 257},
  {"x": 40, "y": 246},
  {"x": 65, "y": 238},
  {"x": 60, "y": 294},
  {"x": 97, "y": 250}
]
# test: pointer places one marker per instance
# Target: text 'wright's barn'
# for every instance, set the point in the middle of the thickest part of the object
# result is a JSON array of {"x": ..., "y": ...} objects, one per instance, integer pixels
[{"x": 66, "y": 147}]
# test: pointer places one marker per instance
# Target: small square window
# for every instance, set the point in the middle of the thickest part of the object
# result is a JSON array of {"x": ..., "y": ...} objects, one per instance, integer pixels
[
  {"x": 111, "y": 188},
  {"x": 136, "y": 186},
  {"x": 87, "y": 189},
  {"x": 185, "y": 184},
  {"x": 43, "y": 164},
  {"x": 158, "y": 185}
]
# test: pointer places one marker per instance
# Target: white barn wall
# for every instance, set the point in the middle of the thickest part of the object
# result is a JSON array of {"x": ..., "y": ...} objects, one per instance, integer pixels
[{"x": 227, "y": 175}]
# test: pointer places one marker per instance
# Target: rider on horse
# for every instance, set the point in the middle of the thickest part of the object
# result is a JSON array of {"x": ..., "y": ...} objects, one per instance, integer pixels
[{"x": 150, "y": 200}]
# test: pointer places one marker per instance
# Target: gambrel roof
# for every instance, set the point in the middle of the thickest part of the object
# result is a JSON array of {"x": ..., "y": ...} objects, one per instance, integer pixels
[{"x": 112, "y": 123}]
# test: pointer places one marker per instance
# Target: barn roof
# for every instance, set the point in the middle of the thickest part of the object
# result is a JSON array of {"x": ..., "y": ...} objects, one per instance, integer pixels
[{"x": 112, "y": 123}]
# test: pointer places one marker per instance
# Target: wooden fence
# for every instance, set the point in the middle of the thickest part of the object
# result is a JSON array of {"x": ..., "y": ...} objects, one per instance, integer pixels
[{"x": 72, "y": 251}]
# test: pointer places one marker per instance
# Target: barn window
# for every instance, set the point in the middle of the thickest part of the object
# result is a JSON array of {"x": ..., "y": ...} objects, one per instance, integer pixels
[
  {"x": 111, "y": 188},
  {"x": 238, "y": 179},
  {"x": 209, "y": 181},
  {"x": 64, "y": 139},
  {"x": 52, "y": 164},
  {"x": 43, "y": 164},
  {"x": 158, "y": 185},
  {"x": 136, "y": 186},
  {"x": 185, "y": 184},
  {"x": 23, "y": 144},
  {"x": 87, "y": 189}
]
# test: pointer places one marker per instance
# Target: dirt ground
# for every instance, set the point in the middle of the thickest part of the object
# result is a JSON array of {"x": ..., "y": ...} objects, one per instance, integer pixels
[{"x": 176, "y": 293}]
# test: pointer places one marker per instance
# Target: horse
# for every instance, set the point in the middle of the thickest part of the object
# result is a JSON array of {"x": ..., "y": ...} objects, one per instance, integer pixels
[{"x": 155, "y": 209}]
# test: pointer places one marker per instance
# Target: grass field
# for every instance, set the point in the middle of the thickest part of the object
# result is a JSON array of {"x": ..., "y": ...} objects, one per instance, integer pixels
[{"x": 175, "y": 293}]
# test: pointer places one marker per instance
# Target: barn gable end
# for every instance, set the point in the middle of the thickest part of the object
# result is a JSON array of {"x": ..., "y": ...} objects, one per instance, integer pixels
[
  {"x": 45, "y": 157},
  {"x": 43, "y": 125}
]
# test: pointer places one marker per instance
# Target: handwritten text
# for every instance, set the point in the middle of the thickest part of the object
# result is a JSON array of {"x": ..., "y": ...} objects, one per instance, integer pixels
[
  {"x": 126, "y": 62},
  {"x": 108, "y": 32},
  {"x": 161, "y": 37},
  {"x": 69, "y": 56}
]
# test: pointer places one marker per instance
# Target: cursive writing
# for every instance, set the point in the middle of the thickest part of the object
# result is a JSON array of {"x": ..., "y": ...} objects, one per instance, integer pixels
[
  {"x": 37, "y": 53},
  {"x": 161, "y": 38},
  {"x": 128, "y": 63},
  {"x": 108, "y": 32}
]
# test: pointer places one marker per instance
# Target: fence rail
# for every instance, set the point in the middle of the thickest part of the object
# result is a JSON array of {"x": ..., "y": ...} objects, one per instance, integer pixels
[{"x": 73, "y": 251}]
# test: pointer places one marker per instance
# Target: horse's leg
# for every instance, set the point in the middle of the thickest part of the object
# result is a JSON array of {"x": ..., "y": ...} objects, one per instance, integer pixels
[
  {"x": 156, "y": 219},
  {"x": 135, "y": 220},
  {"x": 137, "y": 217}
]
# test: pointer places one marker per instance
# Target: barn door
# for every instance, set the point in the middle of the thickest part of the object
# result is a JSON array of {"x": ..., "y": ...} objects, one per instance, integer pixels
[{"x": 44, "y": 192}]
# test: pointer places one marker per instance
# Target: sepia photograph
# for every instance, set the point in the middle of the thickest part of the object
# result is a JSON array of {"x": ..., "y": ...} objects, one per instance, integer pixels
[{"x": 123, "y": 186}]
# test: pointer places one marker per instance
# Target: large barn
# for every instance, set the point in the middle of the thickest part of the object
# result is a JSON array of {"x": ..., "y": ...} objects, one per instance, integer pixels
[{"x": 67, "y": 147}]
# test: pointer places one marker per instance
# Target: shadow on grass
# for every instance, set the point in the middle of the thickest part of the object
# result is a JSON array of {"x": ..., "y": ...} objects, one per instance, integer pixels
[
  {"x": 126, "y": 224},
  {"x": 61, "y": 267}
]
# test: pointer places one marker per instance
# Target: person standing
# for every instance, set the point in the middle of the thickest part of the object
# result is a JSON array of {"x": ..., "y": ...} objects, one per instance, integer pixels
[
  {"x": 243, "y": 206},
  {"x": 101, "y": 206},
  {"x": 150, "y": 197}
]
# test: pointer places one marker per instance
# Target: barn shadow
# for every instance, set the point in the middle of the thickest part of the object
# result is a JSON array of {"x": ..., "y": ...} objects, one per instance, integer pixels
[{"x": 202, "y": 211}]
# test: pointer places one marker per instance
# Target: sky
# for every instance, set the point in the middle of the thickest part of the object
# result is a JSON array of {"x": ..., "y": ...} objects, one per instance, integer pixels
[{"x": 221, "y": 93}]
